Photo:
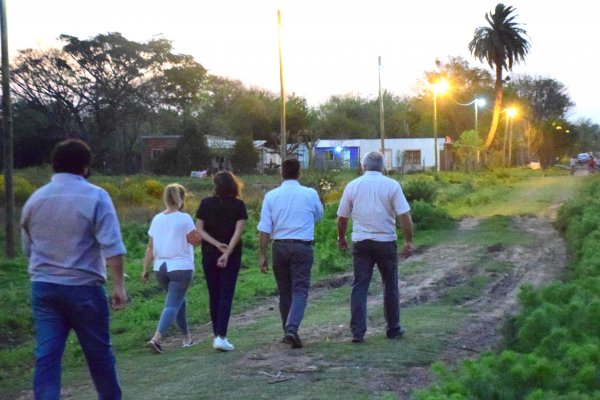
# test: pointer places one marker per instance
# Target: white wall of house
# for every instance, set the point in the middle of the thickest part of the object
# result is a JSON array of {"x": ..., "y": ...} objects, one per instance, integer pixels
[{"x": 419, "y": 150}]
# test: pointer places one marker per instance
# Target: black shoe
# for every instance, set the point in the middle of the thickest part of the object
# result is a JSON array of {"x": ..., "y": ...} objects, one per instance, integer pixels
[
  {"x": 293, "y": 340},
  {"x": 358, "y": 340},
  {"x": 155, "y": 347},
  {"x": 398, "y": 335}
]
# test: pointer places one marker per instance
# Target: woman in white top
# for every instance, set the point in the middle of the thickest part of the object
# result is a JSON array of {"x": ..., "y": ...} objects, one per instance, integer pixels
[{"x": 170, "y": 247}]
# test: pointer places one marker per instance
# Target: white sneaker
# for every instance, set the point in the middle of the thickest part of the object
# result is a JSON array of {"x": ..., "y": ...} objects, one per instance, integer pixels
[{"x": 222, "y": 344}]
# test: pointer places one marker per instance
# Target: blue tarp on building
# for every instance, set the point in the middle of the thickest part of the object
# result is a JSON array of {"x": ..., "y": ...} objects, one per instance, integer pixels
[{"x": 337, "y": 157}]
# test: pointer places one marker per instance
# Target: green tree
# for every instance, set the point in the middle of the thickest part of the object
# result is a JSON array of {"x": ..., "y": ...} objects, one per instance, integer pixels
[
  {"x": 192, "y": 149},
  {"x": 543, "y": 104},
  {"x": 104, "y": 89},
  {"x": 244, "y": 156},
  {"x": 467, "y": 148},
  {"x": 454, "y": 116},
  {"x": 346, "y": 117},
  {"x": 501, "y": 44},
  {"x": 35, "y": 137}
]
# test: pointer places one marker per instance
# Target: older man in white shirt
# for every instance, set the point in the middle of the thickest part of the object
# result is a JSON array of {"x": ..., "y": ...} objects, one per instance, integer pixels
[{"x": 374, "y": 202}]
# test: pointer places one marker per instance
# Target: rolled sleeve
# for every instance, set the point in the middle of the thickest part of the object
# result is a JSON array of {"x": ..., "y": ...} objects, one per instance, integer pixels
[
  {"x": 318, "y": 206},
  {"x": 108, "y": 232},
  {"x": 266, "y": 222},
  {"x": 25, "y": 236},
  {"x": 345, "y": 207},
  {"x": 401, "y": 205}
]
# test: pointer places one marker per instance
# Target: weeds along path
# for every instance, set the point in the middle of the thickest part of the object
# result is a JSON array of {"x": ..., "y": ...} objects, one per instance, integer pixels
[{"x": 454, "y": 298}]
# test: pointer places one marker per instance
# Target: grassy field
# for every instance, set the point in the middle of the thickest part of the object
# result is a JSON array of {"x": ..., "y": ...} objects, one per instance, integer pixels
[{"x": 329, "y": 366}]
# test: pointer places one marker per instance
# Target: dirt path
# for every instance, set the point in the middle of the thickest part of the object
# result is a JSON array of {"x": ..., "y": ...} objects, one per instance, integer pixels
[
  {"x": 448, "y": 266},
  {"x": 425, "y": 279}
]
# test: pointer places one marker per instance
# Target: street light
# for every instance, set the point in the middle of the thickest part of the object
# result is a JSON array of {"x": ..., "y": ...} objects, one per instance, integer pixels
[
  {"x": 438, "y": 88},
  {"x": 477, "y": 102}
]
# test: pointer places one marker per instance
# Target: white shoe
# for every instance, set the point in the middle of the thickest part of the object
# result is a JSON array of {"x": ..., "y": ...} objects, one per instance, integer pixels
[{"x": 222, "y": 344}]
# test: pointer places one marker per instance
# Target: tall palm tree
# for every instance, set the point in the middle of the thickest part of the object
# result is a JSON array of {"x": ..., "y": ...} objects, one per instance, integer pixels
[{"x": 500, "y": 44}]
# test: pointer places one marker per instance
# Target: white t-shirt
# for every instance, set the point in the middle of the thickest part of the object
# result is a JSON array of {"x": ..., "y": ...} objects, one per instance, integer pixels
[{"x": 168, "y": 232}]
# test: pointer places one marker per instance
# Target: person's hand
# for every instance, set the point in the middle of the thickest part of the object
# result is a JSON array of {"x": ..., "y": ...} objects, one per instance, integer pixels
[
  {"x": 264, "y": 264},
  {"x": 145, "y": 276},
  {"x": 342, "y": 244},
  {"x": 408, "y": 250},
  {"x": 222, "y": 247},
  {"x": 119, "y": 298},
  {"x": 222, "y": 261}
]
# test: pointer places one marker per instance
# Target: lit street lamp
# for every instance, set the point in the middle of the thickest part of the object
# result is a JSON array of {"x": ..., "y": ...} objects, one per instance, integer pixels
[
  {"x": 477, "y": 102},
  {"x": 438, "y": 88}
]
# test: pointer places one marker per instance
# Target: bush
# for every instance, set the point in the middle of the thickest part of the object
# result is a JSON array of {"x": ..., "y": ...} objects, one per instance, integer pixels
[
  {"x": 21, "y": 187},
  {"x": 426, "y": 216},
  {"x": 153, "y": 188},
  {"x": 421, "y": 188},
  {"x": 133, "y": 194},
  {"x": 112, "y": 189}
]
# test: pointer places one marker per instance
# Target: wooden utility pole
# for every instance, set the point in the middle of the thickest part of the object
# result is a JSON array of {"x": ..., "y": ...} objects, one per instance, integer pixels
[
  {"x": 381, "y": 125},
  {"x": 8, "y": 139},
  {"x": 283, "y": 133}
]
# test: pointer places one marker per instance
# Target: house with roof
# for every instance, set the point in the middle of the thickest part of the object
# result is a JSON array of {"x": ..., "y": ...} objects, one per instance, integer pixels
[
  {"x": 406, "y": 154},
  {"x": 154, "y": 146}
]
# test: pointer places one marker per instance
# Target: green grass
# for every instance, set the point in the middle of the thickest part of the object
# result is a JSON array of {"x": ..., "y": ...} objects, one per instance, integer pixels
[{"x": 343, "y": 369}]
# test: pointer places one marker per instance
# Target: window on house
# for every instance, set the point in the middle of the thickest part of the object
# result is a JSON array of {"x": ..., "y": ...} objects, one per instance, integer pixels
[
  {"x": 155, "y": 153},
  {"x": 328, "y": 155},
  {"x": 412, "y": 157}
]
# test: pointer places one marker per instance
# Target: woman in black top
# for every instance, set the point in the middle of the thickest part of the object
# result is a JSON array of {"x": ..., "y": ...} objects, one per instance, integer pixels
[{"x": 220, "y": 219}]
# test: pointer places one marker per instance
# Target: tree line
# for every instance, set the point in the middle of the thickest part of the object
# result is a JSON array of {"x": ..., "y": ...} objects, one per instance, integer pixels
[{"x": 110, "y": 91}]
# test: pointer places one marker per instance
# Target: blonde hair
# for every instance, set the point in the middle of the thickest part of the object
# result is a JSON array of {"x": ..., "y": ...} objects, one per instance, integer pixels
[{"x": 174, "y": 195}]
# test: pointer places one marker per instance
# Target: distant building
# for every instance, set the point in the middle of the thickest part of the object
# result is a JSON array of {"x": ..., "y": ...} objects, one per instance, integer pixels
[
  {"x": 154, "y": 146},
  {"x": 401, "y": 154}
]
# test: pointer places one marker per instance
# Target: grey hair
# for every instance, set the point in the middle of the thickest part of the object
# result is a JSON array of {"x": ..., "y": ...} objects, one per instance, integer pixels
[{"x": 372, "y": 161}]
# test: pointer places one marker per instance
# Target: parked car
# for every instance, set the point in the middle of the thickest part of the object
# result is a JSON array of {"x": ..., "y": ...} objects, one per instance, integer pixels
[{"x": 583, "y": 158}]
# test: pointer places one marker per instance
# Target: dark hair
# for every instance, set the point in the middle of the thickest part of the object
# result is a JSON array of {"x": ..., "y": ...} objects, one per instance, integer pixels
[
  {"x": 227, "y": 184},
  {"x": 72, "y": 156},
  {"x": 290, "y": 169}
]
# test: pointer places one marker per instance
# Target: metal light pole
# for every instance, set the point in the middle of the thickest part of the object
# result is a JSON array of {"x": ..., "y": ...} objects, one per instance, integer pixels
[
  {"x": 511, "y": 113},
  {"x": 435, "y": 133},
  {"x": 438, "y": 88},
  {"x": 381, "y": 125},
  {"x": 283, "y": 130},
  {"x": 8, "y": 138},
  {"x": 476, "y": 104}
]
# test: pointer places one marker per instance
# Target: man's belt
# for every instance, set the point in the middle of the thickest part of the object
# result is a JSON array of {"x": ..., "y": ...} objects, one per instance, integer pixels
[{"x": 305, "y": 242}]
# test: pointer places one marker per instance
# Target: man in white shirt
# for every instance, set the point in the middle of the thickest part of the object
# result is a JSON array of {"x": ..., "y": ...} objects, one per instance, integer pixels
[
  {"x": 288, "y": 216},
  {"x": 374, "y": 202}
]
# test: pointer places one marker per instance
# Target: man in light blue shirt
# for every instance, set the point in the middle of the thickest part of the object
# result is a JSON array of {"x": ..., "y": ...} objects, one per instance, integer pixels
[
  {"x": 288, "y": 216},
  {"x": 70, "y": 232}
]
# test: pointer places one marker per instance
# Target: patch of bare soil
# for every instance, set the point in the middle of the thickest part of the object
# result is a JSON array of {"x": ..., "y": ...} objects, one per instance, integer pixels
[{"x": 447, "y": 266}]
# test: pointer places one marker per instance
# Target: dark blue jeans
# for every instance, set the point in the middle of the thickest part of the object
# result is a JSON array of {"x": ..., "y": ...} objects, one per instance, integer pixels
[
  {"x": 176, "y": 283},
  {"x": 221, "y": 287},
  {"x": 56, "y": 310},
  {"x": 292, "y": 264},
  {"x": 365, "y": 255}
]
